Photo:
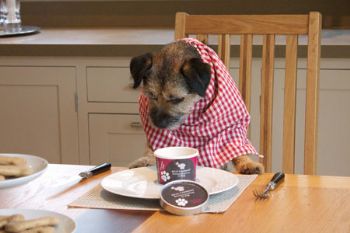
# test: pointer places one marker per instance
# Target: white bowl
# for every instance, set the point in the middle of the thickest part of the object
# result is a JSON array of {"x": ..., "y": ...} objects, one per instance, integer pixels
[
  {"x": 37, "y": 164},
  {"x": 66, "y": 224}
]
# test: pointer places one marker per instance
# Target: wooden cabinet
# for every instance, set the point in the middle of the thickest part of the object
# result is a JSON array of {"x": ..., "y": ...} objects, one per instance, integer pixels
[
  {"x": 83, "y": 110},
  {"x": 116, "y": 138},
  {"x": 334, "y": 112},
  {"x": 333, "y": 126},
  {"x": 115, "y": 131},
  {"x": 110, "y": 84},
  {"x": 38, "y": 113},
  {"x": 70, "y": 110}
]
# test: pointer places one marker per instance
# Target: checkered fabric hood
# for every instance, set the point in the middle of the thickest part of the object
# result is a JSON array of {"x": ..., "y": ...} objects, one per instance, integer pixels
[{"x": 217, "y": 125}]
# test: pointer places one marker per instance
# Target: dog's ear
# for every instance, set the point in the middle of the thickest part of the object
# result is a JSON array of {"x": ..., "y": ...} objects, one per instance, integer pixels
[
  {"x": 139, "y": 66},
  {"x": 197, "y": 75}
]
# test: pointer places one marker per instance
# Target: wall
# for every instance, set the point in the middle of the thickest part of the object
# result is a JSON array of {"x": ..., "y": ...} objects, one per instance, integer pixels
[{"x": 46, "y": 13}]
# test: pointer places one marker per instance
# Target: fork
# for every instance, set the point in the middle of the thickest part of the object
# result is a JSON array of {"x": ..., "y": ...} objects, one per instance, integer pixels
[{"x": 277, "y": 178}]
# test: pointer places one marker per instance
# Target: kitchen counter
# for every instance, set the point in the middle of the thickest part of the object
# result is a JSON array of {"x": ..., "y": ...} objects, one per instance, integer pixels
[
  {"x": 86, "y": 42},
  {"x": 133, "y": 41}
]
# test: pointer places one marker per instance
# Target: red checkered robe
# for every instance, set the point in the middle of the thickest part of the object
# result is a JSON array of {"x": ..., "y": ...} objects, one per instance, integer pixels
[{"x": 217, "y": 125}]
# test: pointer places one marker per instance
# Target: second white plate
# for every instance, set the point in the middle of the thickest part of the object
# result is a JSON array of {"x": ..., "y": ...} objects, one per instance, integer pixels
[
  {"x": 38, "y": 165},
  {"x": 65, "y": 225},
  {"x": 142, "y": 182}
]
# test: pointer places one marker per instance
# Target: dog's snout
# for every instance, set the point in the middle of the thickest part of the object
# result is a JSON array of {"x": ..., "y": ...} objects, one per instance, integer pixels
[{"x": 162, "y": 119}]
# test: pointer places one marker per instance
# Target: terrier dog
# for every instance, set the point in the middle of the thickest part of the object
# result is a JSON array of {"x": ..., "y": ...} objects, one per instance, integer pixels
[{"x": 189, "y": 99}]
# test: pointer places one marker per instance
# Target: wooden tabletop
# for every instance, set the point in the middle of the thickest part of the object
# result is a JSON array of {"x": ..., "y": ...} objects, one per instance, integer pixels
[{"x": 300, "y": 204}]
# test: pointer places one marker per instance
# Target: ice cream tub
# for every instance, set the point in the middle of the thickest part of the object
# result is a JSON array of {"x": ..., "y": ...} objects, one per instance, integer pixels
[{"x": 176, "y": 163}]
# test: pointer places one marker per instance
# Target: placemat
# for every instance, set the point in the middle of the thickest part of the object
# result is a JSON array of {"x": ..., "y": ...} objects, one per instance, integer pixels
[{"x": 101, "y": 199}]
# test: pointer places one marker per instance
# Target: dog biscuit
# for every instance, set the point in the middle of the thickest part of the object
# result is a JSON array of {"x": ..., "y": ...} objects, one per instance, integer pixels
[
  {"x": 3, "y": 223},
  {"x": 12, "y": 161},
  {"x": 26, "y": 170},
  {"x": 6, "y": 219},
  {"x": 10, "y": 170},
  {"x": 47, "y": 229},
  {"x": 14, "y": 170},
  {"x": 18, "y": 226},
  {"x": 3, "y": 217}
]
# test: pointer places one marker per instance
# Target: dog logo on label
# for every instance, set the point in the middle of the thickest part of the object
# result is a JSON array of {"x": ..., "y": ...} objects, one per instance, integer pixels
[
  {"x": 181, "y": 202},
  {"x": 178, "y": 188},
  {"x": 181, "y": 165},
  {"x": 165, "y": 176}
]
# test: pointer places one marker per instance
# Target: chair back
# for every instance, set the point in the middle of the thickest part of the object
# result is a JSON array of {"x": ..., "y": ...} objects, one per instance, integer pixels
[{"x": 247, "y": 26}]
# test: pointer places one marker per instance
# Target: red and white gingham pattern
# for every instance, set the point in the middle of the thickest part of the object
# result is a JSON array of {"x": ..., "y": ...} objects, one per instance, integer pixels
[{"x": 217, "y": 125}]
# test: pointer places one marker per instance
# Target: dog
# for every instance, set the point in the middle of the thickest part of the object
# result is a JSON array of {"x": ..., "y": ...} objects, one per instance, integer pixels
[{"x": 189, "y": 99}]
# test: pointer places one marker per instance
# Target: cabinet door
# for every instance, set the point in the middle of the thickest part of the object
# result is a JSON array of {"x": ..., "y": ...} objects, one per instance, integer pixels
[
  {"x": 110, "y": 85},
  {"x": 333, "y": 125},
  {"x": 116, "y": 138},
  {"x": 38, "y": 113}
]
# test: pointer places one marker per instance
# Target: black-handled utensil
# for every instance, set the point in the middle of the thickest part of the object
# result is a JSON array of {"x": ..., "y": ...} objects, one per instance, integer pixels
[
  {"x": 96, "y": 170},
  {"x": 277, "y": 178},
  {"x": 71, "y": 181}
]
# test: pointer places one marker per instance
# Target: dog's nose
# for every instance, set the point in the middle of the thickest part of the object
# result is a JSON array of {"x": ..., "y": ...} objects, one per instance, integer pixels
[
  {"x": 161, "y": 119},
  {"x": 161, "y": 123}
]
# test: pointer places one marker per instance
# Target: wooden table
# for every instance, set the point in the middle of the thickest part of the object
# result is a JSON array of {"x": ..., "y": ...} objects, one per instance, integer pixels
[{"x": 301, "y": 204}]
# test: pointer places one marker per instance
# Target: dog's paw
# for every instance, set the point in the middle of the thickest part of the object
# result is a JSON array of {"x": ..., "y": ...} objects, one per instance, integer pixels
[
  {"x": 245, "y": 165},
  {"x": 250, "y": 168},
  {"x": 143, "y": 162}
]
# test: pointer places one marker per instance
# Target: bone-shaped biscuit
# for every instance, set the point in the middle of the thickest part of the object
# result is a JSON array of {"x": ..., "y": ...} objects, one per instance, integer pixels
[
  {"x": 8, "y": 218},
  {"x": 18, "y": 226},
  {"x": 4, "y": 160},
  {"x": 13, "y": 170},
  {"x": 47, "y": 229}
]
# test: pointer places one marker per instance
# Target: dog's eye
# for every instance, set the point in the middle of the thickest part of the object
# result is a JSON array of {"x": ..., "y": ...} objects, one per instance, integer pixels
[{"x": 175, "y": 100}]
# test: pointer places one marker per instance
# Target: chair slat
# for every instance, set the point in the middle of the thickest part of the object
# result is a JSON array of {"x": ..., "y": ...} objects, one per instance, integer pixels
[
  {"x": 180, "y": 25},
  {"x": 224, "y": 49},
  {"x": 313, "y": 73},
  {"x": 245, "y": 68},
  {"x": 247, "y": 24},
  {"x": 266, "y": 100},
  {"x": 290, "y": 86},
  {"x": 203, "y": 38}
]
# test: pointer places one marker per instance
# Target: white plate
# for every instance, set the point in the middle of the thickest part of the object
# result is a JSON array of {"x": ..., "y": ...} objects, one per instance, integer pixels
[
  {"x": 142, "y": 182},
  {"x": 66, "y": 224},
  {"x": 37, "y": 164}
]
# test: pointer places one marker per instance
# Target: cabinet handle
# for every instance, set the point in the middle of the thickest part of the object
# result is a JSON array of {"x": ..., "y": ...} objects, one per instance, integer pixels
[{"x": 136, "y": 125}]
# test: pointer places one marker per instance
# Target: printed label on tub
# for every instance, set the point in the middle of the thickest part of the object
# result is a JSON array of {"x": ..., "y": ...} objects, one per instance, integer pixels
[
  {"x": 182, "y": 169},
  {"x": 185, "y": 194}
]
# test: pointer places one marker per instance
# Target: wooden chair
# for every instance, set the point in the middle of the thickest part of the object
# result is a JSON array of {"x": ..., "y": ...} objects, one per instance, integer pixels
[{"x": 269, "y": 26}]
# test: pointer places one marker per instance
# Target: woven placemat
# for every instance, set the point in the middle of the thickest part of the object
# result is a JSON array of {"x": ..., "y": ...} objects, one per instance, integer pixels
[{"x": 101, "y": 199}]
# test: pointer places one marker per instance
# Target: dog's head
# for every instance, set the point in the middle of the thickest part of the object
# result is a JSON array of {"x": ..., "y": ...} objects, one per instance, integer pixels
[{"x": 173, "y": 79}]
